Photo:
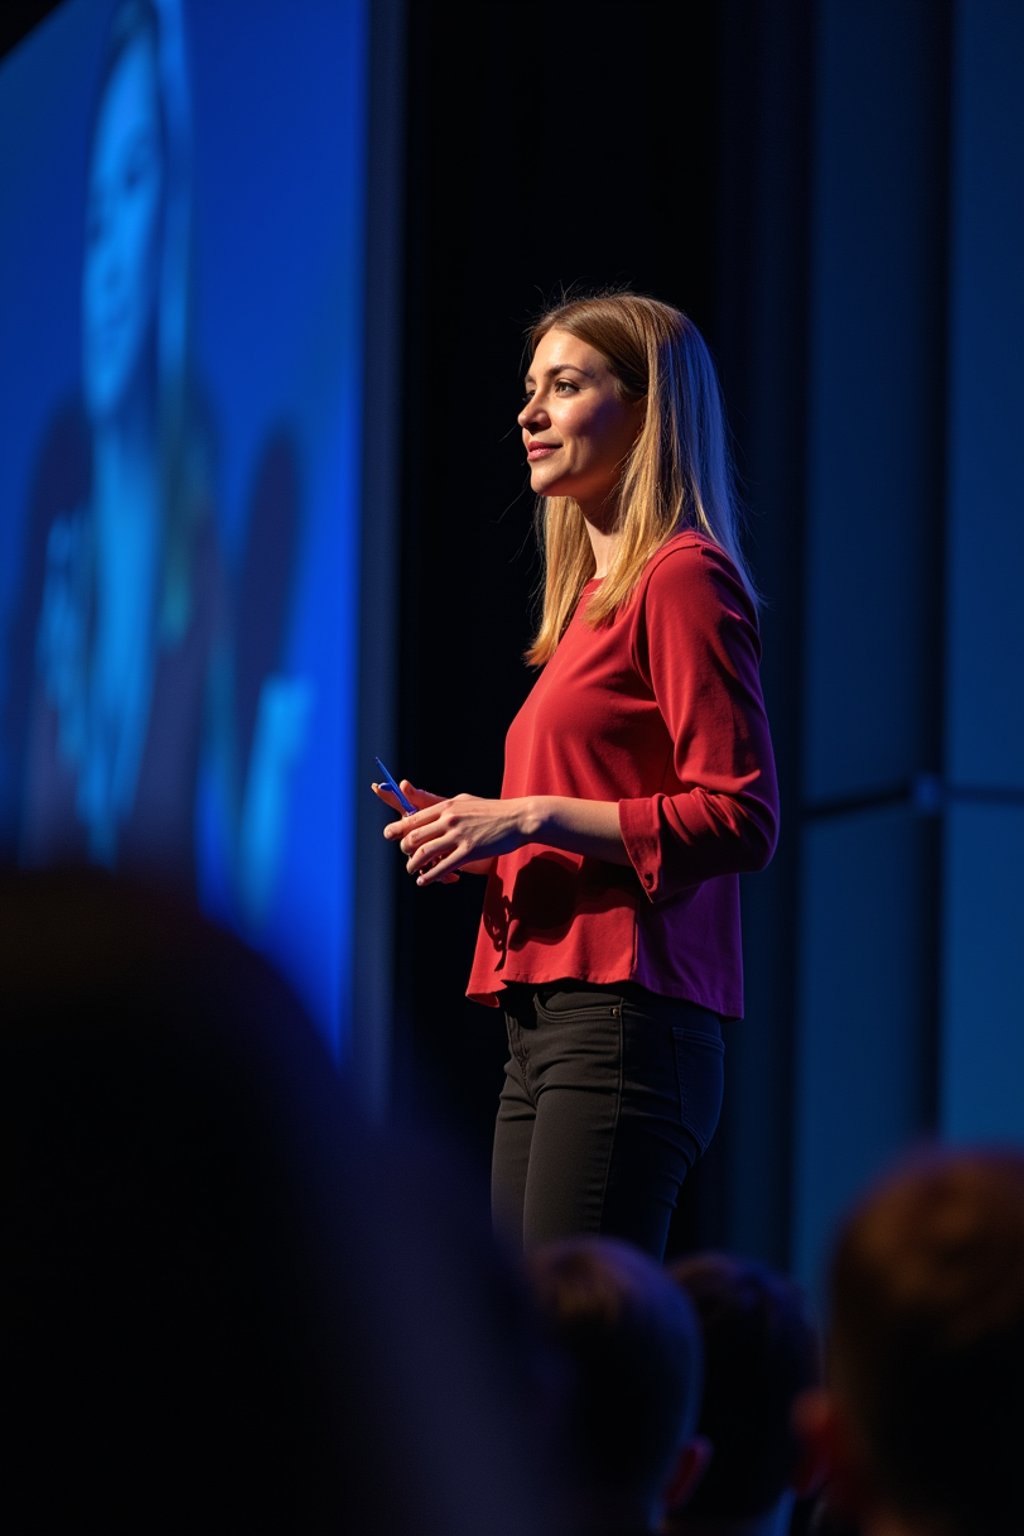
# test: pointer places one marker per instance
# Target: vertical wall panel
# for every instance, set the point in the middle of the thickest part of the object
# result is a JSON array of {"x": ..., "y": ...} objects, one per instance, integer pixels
[
  {"x": 875, "y": 396},
  {"x": 871, "y": 665},
  {"x": 865, "y": 1011},
  {"x": 982, "y": 1059},
  {"x": 986, "y": 401},
  {"x": 982, "y": 1064}
]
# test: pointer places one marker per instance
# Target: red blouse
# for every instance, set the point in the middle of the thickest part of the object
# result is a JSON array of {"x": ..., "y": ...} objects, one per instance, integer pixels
[{"x": 661, "y": 711}]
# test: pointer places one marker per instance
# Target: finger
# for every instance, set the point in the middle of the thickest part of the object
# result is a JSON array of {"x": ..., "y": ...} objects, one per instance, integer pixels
[
  {"x": 431, "y": 863},
  {"x": 403, "y": 824},
  {"x": 435, "y": 872},
  {"x": 451, "y": 878},
  {"x": 416, "y": 831},
  {"x": 424, "y": 834},
  {"x": 390, "y": 798},
  {"x": 422, "y": 856},
  {"x": 428, "y": 848},
  {"x": 392, "y": 829},
  {"x": 422, "y": 798}
]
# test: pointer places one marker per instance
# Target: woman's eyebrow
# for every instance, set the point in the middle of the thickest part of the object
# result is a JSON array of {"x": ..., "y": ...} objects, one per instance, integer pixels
[{"x": 561, "y": 368}]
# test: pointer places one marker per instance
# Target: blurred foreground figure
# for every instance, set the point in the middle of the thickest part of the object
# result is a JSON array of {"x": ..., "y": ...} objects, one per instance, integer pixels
[
  {"x": 632, "y": 1351},
  {"x": 227, "y": 1304},
  {"x": 924, "y": 1417},
  {"x": 761, "y": 1352}
]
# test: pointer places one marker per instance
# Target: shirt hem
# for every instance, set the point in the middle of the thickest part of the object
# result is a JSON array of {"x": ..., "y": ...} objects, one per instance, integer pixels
[{"x": 728, "y": 1009}]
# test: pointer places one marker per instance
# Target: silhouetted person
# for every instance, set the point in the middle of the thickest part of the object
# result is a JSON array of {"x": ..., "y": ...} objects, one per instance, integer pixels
[
  {"x": 632, "y": 1348},
  {"x": 228, "y": 1303},
  {"x": 761, "y": 1351},
  {"x": 923, "y": 1419}
]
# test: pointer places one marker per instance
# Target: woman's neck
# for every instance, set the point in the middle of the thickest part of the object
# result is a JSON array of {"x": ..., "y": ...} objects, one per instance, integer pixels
[{"x": 604, "y": 541}]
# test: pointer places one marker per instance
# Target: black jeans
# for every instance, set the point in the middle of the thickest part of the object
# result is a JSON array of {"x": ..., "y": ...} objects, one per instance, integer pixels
[{"x": 611, "y": 1094}]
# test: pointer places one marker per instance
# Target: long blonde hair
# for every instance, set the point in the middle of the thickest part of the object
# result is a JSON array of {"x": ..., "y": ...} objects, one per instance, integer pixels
[{"x": 678, "y": 473}]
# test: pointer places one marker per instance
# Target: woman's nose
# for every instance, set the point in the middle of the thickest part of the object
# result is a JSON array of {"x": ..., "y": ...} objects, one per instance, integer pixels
[{"x": 530, "y": 413}]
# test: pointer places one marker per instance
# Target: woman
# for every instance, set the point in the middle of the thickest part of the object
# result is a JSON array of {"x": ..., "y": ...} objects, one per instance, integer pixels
[{"x": 639, "y": 782}]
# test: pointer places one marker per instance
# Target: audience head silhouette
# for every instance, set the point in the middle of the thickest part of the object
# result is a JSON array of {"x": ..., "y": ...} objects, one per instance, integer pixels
[
  {"x": 229, "y": 1302},
  {"x": 632, "y": 1348},
  {"x": 761, "y": 1352},
  {"x": 924, "y": 1419}
]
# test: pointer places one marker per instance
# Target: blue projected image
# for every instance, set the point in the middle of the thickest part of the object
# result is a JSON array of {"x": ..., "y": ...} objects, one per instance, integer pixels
[{"x": 180, "y": 365}]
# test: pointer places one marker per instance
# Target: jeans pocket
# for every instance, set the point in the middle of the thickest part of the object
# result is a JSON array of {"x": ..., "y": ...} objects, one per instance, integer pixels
[
  {"x": 700, "y": 1072},
  {"x": 562, "y": 1002}
]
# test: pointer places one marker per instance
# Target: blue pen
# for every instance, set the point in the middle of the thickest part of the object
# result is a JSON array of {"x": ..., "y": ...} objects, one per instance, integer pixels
[{"x": 403, "y": 800}]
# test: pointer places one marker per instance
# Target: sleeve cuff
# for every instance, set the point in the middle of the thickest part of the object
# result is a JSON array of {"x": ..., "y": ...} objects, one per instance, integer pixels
[{"x": 639, "y": 825}]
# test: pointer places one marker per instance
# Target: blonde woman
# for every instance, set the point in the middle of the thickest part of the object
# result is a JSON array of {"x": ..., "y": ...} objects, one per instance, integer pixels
[{"x": 639, "y": 783}]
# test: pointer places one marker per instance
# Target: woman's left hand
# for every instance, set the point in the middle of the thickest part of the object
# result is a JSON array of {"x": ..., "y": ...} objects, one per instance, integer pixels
[{"x": 453, "y": 834}]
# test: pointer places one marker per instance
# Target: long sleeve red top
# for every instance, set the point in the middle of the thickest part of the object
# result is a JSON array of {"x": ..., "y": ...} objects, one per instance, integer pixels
[{"x": 661, "y": 711}]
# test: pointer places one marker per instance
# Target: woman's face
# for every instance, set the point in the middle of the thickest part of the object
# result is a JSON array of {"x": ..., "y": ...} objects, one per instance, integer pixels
[
  {"x": 577, "y": 430},
  {"x": 122, "y": 233}
]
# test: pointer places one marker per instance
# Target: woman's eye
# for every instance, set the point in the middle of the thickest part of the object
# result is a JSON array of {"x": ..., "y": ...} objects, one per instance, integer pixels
[{"x": 565, "y": 386}]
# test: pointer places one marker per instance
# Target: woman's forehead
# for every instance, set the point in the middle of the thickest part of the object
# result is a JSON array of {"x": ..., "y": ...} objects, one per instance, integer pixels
[{"x": 559, "y": 349}]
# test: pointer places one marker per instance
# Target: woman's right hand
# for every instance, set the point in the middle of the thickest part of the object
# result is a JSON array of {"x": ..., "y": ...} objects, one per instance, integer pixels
[{"x": 421, "y": 798}]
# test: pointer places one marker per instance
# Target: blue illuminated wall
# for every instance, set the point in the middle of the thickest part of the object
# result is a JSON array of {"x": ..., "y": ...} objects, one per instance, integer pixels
[
  {"x": 981, "y": 1061},
  {"x": 240, "y": 755},
  {"x": 910, "y": 996},
  {"x": 881, "y": 370}
]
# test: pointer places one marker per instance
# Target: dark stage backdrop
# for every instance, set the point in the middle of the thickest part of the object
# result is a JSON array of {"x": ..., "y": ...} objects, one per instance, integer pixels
[{"x": 832, "y": 189}]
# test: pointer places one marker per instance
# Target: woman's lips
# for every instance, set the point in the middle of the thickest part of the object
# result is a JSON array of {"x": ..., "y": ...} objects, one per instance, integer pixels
[{"x": 539, "y": 451}]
